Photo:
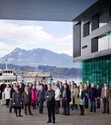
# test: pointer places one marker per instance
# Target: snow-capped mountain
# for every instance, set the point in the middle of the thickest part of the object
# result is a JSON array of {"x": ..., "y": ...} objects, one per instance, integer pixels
[{"x": 36, "y": 57}]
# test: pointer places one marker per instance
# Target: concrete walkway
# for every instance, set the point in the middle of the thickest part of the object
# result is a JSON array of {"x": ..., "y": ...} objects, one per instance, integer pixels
[{"x": 97, "y": 118}]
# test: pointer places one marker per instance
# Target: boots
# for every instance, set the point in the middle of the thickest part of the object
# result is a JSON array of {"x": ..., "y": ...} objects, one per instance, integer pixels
[
  {"x": 16, "y": 112},
  {"x": 81, "y": 111}
]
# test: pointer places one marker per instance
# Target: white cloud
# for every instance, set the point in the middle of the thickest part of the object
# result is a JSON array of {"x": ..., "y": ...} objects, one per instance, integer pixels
[
  {"x": 65, "y": 41},
  {"x": 25, "y": 33},
  {"x": 29, "y": 36},
  {"x": 5, "y": 49},
  {"x": 65, "y": 44}
]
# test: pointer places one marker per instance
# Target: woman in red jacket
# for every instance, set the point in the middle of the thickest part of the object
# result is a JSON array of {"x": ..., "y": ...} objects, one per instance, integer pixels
[{"x": 34, "y": 96}]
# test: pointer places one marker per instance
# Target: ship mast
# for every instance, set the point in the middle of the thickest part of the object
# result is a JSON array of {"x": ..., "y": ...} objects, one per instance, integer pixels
[{"x": 6, "y": 63}]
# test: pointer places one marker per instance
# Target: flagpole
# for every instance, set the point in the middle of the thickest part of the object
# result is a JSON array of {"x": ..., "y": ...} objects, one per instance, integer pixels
[{"x": 6, "y": 63}]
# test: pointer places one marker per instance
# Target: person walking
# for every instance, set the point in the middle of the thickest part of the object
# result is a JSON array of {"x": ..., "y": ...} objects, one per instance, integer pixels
[
  {"x": 57, "y": 98},
  {"x": 50, "y": 99},
  {"x": 41, "y": 98},
  {"x": 26, "y": 98},
  {"x": 17, "y": 101},
  {"x": 105, "y": 95},
  {"x": 92, "y": 97}
]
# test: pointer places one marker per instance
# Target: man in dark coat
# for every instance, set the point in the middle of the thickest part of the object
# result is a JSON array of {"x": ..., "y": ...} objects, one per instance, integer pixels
[
  {"x": 50, "y": 99},
  {"x": 41, "y": 98},
  {"x": 11, "y": 93},
  {"x": 92, "y": 97},
  {"x": 66, "y": 98}
]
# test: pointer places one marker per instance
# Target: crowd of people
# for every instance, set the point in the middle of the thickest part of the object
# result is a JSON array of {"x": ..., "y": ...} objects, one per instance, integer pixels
[{"x": 67, "y": 95}]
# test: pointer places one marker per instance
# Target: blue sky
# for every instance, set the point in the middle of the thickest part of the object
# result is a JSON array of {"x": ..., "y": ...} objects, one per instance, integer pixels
[{"x": 54, "y": 36}]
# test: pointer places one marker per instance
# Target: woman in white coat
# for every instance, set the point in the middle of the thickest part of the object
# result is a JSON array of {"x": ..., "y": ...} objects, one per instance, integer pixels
[{"x": 7, "y": 94}]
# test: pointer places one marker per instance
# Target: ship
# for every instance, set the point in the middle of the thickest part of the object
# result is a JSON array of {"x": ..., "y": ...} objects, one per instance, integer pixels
[{"x": 7, "y": 75}]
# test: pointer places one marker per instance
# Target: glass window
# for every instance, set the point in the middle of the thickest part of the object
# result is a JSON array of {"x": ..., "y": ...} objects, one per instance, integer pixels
[
  {"x": 103, "y": 43},
  {"x": 77, "y": 40},
  {"x": 94, "y": 45},
  {"x": 104, "y": 18},
  {"x": 110, "y": 40},
  {"x": 95, "y": 22},
  {"x": 86, "y": 29}
]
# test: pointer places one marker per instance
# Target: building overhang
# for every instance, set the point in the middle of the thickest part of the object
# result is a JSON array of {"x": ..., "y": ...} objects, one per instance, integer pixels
[
  {"x": 43, "y": 10},
  {"x": 95, "y": 8}
]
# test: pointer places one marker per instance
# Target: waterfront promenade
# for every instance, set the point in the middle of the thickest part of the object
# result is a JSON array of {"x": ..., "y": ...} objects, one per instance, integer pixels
[{"x": 97, "y": 118}]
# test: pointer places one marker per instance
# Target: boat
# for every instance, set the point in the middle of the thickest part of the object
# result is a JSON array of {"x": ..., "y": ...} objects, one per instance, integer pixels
[{"x": 7, "y": 75}]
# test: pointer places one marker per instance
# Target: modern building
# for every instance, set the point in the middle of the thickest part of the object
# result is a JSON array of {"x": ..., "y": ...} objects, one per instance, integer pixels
[{"x": 92, "y": 42}]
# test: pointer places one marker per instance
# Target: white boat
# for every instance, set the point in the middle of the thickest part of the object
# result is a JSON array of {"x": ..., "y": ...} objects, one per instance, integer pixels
[{"x": 7, "y": 75}]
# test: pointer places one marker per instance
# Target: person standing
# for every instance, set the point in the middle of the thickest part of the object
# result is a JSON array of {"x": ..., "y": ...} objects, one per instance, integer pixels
[
  {"x": 57, "y": 98},
  {"x": 34, "y": 96},
  {"x": 98, "y": 95},
  {"x": 41, "y": 98},
  {"x": 7, "y": 94},
  {"x": 86, "y": 105},
  {"x": 66, "y": 98},
  {"x": 92, "y": 97},
  {"x": 105, "y": 95},
  {"x": 74, "y": 96},
  {"x": 11, "y": 93},
  {"x": 17, "y": 101},
  {"x": 50, "y": 99},
  {"x": 26, "y": 98},
  {"x": 61, "y": 87},
  {"x": 81, "y": 99}
]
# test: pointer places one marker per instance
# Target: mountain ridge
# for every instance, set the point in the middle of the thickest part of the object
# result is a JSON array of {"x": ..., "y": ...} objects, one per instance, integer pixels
[{"x": 39, "y": 56}]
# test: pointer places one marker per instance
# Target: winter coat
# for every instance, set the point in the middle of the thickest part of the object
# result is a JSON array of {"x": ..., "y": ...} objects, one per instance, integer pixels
[
  {"x": 81, "y": 97},
  {"x": 74, "y": 96},
  {"x": 34, "y": 95},
  {"x": 50, "y": 95},
  {"x": 7, "y": 93},
  {"x": 26, "y": 98},
  {"x": 92, "y": 93},
  {"x": 107, "y": 93},
  {"x": 41, "y": 95},
  {"x": 57, "y": 94},
  {"x": 68, "y": 94},
  {"x": 16, "y": 99}
]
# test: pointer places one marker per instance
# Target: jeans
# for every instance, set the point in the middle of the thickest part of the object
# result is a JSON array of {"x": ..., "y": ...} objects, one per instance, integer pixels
[
  {"x": 41, "y": 106},
  {"x": 66, "y": 108},
  {"x": 92, "y": 105}
]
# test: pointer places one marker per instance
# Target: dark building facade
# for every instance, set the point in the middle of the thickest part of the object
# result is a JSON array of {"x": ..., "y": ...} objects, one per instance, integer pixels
[{"x": 92, "y": 42}]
